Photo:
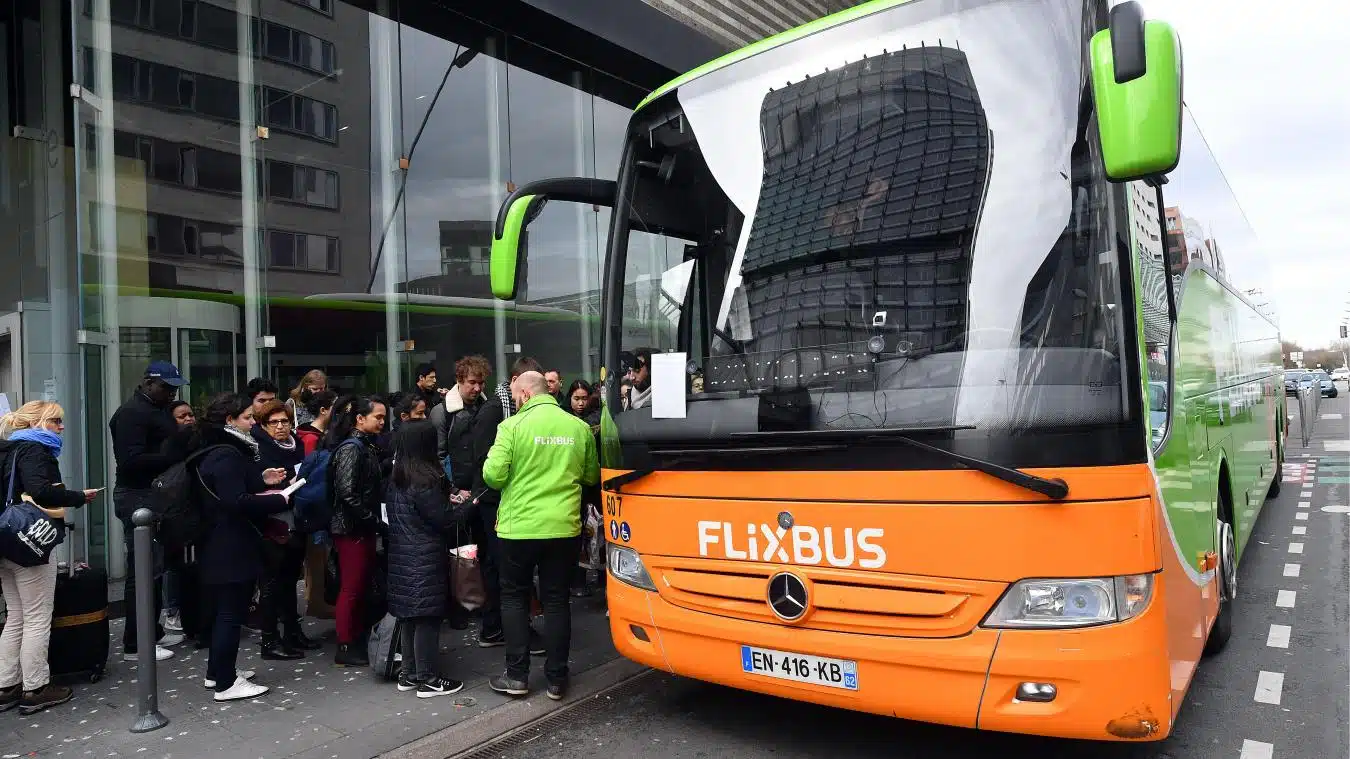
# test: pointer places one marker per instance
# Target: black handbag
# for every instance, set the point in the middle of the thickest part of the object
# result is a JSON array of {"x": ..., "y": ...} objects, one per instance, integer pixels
[{"x": 27, "y": 535}]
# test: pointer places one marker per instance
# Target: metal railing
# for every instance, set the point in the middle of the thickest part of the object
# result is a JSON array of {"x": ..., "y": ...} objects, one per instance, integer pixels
[{"x": 1309, "y": 405}]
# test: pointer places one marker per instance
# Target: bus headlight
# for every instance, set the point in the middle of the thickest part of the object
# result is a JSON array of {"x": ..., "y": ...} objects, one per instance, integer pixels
[
  {"x": 626, "y": 566},
  {"x": 1072, "y": 603}
]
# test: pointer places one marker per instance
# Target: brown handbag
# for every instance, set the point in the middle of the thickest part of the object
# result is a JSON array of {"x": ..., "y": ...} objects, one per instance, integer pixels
[{"x": 466, "y": 579}]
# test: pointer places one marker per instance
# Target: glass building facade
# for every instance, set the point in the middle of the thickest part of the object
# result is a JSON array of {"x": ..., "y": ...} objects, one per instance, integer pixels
[{"x": 264, "y": 187}]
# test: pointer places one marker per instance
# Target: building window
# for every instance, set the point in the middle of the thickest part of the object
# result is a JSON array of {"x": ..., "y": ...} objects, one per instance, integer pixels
[
  {"x": 212, "y": 25},
  {"x": 297, "y": 113},
  {"x": 322, "y": 6},
  {"x": 302, "y": 184},
  {"x": 306, "y": 252},
  {"x": 135, "y": 80}
]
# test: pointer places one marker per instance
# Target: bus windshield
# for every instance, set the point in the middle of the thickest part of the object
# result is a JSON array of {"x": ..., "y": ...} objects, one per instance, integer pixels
[{"x": 899, "y": 222}]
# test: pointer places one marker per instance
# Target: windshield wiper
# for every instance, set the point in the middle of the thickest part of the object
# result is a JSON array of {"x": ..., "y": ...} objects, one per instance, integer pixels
[
  {"x": 685, "y": 455},
  {"x": 1052, "y": 488}
]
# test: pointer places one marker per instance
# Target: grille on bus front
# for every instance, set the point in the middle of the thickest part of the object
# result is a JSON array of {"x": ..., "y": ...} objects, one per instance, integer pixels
[{"x": 840, "y": 600}]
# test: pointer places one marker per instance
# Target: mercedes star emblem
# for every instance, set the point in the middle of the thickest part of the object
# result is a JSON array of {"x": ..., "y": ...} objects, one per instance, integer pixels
[
  {"x": 785, "y": 520},
  {"x": 787, "y": 596}
]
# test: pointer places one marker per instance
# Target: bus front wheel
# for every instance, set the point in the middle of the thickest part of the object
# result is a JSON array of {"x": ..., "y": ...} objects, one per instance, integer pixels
[{"x": 1227, "y": 576}]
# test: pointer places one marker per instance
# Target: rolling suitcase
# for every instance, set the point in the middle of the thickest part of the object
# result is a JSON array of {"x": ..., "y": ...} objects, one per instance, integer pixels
[{"x": 80, "y": 638}]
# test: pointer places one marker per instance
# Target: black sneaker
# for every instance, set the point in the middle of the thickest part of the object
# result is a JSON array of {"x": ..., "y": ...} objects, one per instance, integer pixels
[
  {"x": 439, "y": 686},
  {"x": 504, "y": 684},
  {"x": 9, "y": 697},
  {"x": 556, "y": 691},
  {"x": 492, "y": 640},
  {"x": 537, "y": 644},
  {"x": 45, "y": 697},
  {"x": 406, "y": 683},
  {"x": 351, "y": 656},
  {"x": 278, "y": 651}
]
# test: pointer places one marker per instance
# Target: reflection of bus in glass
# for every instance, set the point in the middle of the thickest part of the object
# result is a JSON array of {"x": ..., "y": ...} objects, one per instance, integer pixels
[{"x": 915, "y": 254}]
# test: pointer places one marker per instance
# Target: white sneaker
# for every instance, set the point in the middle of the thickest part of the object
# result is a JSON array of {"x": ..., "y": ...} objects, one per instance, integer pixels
[
  {"x": 171, "y": 639},
  {"x": 173, "y": 623},
  {"x": 241, "y": 689},
  {"x": 161, "y": 654},
  {"x": 246, "y": 674}
]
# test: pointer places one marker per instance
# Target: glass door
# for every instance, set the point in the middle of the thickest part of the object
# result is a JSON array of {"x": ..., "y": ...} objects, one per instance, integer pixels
[{"x": 207, "y": 358}]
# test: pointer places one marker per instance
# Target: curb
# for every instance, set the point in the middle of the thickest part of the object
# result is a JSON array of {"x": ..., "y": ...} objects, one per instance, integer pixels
[{"x": 475, "y": 731}]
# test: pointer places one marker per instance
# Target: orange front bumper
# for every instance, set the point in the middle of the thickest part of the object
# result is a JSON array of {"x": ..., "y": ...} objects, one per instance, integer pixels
[{"x": 1112, "y": 680}]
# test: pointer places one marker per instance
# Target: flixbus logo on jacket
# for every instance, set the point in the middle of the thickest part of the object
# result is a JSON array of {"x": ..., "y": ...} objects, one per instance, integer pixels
[{"x": 801, "y": 544}]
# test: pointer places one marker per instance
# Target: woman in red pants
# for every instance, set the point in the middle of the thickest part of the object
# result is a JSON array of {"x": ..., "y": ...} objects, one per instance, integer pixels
[{"x": 358, "y": 486}]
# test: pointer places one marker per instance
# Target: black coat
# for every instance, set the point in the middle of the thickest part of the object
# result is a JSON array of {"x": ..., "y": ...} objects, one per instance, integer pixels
[
  {"x": 39, "y": 475},
  {"x": 420, "y": 522},
  {"x": 232, "y": 550},
  {"x": 454, "y": 436},
  {"x": 272, "y": 456},
  {"x": 358, "y": 485},
  {"x": 483, "y": 435},
  {"x": 139, "y": 429}
]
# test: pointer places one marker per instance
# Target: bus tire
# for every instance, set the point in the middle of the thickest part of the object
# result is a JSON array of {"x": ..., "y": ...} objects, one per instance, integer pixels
[{"x": 1227, "y": 582}]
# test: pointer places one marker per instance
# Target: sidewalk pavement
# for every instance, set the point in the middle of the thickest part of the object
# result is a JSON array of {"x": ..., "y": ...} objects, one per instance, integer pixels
[{"x": 314, "y": 710}]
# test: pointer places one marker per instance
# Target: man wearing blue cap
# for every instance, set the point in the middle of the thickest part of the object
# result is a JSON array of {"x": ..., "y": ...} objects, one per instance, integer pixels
[{"x": 139, "y": 429}]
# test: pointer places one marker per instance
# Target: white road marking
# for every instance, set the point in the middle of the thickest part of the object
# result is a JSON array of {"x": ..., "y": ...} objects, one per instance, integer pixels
[
  {"x": 1305, "y": 494},
  {"x": 1269, "y": 685},
  {"x": 1278, "y": 636},
  {"x": 1339, "y": 446},
  {"x": 1304, "y": 504},
  {"x": 1331, "y": 416},
  {"x": 1336, "y": 509},
  {"x": 1292, "y": 570},
  {"x": 1302, "y": 516},
  {"x": 1285, "y": 599},
  {"x": 1257, "y": 750},
  {"x": 1300, "y": 530},
  {"x": 1295, "y": 548}
]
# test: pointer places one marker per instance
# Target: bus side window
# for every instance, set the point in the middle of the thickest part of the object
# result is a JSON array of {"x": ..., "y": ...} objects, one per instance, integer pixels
[{"x": 1159, "y": 302}]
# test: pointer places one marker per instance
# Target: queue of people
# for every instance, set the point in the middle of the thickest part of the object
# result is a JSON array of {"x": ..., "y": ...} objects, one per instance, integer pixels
[{"x": 418, "y": 473}]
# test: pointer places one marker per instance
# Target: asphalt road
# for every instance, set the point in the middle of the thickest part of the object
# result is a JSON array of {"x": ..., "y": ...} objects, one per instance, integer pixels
[{"x": 1233, "y": 709}]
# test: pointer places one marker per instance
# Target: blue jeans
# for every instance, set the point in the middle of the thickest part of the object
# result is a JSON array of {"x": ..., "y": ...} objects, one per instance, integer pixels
[{"x": 232, "y": 601}]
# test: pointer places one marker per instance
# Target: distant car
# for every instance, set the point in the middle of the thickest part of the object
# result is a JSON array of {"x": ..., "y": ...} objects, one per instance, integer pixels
[
  {"x": 1324, "y": 382},
  {"x": 1342, "y": 373},
  {"x": 1291, "y": 383}
]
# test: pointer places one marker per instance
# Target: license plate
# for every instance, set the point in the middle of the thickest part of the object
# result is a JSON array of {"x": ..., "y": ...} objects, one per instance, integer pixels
[{"x": 801, "y": 668}]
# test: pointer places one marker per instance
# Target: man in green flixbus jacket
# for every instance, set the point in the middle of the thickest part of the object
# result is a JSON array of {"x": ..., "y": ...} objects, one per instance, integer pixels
[{"x": 541, "y": 459}]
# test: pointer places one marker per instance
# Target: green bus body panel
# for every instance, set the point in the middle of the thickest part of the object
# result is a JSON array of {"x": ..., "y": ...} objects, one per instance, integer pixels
[
  {"x": 1140, "y": 121},
  {"x": 769, "y": 43},
  {"x": 506, "y": 250}
]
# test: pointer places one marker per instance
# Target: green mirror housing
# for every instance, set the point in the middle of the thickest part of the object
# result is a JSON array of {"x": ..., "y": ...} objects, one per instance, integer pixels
[
  {"x": 1136, "y": 83},
  {"x": 508, "y": 245},
  {"x": 522, "y": 207}
]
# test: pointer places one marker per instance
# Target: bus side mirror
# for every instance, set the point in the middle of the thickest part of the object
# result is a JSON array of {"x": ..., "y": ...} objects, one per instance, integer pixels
[
  {"x": 1136, "y": 83},
  {"x": 508, "y": 245}
]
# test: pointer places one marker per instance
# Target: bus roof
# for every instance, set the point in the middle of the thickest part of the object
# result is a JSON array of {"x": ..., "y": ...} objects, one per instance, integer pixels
[{"x": 769, "y": 43}]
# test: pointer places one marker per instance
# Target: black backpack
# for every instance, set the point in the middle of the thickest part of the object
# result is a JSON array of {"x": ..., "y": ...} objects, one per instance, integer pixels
[{"x": 175, "y": 498}]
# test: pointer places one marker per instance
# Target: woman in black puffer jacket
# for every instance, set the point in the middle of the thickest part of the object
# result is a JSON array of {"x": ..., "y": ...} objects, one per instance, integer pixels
[{"x": 419, "y": 568}]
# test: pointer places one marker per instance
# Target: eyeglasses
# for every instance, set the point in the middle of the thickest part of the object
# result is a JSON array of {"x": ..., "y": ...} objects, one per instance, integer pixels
[{"x": 278, "y": 423}]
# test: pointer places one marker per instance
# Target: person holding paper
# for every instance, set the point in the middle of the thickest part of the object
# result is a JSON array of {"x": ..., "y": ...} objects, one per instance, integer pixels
[
  {"x": 283, "y": 547},
  {"x": 234, "y": 486}
]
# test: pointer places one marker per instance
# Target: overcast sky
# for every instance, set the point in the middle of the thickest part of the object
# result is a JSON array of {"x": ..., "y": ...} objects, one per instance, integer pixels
[{"x": 1267, "y": 85}]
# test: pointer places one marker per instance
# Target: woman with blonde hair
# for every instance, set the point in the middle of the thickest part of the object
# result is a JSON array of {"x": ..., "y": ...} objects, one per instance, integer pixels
[
  {"x": 30, "y": 441},
  {"x": 314, "y": 381}
]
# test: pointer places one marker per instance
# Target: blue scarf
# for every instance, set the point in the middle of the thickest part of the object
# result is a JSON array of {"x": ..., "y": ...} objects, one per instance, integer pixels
[{"x": 50, "y": 440}]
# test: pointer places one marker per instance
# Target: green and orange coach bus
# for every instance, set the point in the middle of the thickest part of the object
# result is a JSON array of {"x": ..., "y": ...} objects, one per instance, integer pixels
[{"x": 955, "y": 395}]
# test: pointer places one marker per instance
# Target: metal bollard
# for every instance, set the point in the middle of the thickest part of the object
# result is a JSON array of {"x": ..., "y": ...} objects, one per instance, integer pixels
[{"x": 147, "y": 689}]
